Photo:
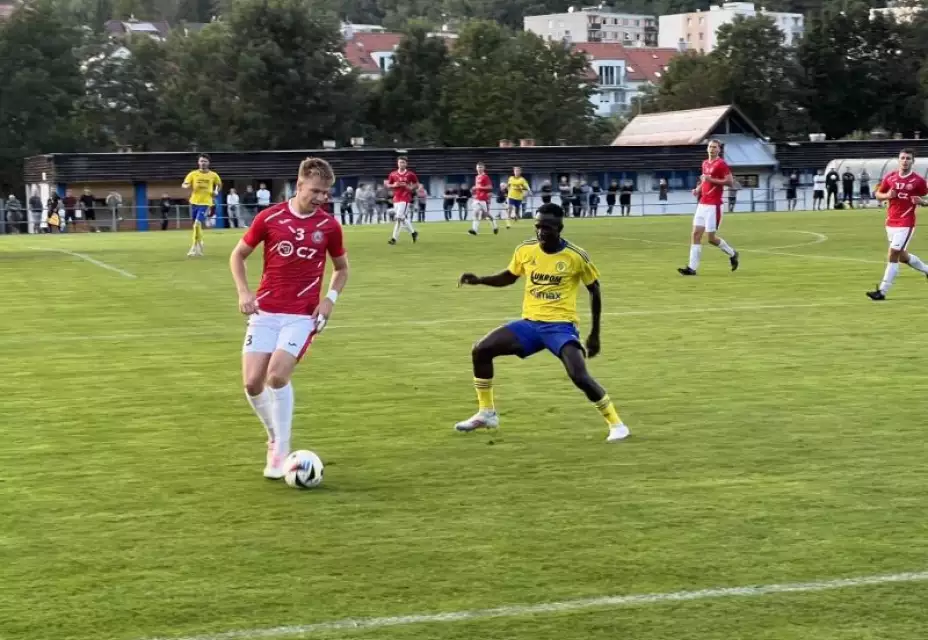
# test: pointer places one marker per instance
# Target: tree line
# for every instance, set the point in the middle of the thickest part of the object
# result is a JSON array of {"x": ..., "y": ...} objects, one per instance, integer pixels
[{"x": 270, "y": 74}]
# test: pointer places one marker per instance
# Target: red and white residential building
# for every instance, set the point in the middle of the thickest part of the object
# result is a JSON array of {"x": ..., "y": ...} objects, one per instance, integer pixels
[{"x": 622, "y": 73}]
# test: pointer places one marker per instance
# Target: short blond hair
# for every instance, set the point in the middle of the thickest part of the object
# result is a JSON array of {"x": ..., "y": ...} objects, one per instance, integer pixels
[{"x": 317, "y": 167}]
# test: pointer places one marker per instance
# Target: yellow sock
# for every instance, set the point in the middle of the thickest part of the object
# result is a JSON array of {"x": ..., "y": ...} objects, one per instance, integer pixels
[
  {"x": 605, "y": 407},
  {"x": 484, "y": 394},
  {"x": 196, "y": 232}
]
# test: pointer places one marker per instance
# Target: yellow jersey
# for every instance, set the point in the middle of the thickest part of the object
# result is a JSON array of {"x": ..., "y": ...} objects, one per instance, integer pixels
[
  {"x": 203, "y": 186},
  {"x": 518, "y": 187},
  {"x": 552, "y": 280}
]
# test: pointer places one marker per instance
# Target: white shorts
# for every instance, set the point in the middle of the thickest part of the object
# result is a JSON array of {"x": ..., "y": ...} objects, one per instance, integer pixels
[
  {"x": 708, "y": 216},
  {"x": 480, "y": 209},
  {"x": 400, "y": 209},
  {"x": 268, "y": 332},
  {"x": 899, "y": 237}
]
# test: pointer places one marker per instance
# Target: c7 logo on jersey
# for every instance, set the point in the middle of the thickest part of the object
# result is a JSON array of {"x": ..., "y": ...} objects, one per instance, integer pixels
[{"x": 286, "y": 249}]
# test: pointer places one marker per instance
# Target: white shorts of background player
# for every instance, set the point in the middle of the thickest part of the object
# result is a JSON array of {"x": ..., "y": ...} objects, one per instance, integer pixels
[
  {"x": 899, "y": 237},
  {"x": 480, "y": 210},
  {"x": 708, "y": 216},
  {"x": 268, "y": 332},
  {"x": 401, "y": 210}
]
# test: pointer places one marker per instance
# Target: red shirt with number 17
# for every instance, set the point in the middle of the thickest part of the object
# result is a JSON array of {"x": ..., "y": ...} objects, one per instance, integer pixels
[
  {"x": 901, "y": 210},
  {"x": 712, "y": 193},
  {"x": 295, "y": 247}
]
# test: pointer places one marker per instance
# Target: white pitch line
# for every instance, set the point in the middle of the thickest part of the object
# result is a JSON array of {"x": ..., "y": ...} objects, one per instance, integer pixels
[
  {"x": 771, "y": 251},
  {"x": 87, "y": 258},
  {"x": 442, "y": 321},
  {"x": 514, "y": 611}
]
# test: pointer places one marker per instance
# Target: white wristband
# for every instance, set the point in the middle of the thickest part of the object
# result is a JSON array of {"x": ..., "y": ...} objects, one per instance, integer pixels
[{"x": 332, "y": 295}]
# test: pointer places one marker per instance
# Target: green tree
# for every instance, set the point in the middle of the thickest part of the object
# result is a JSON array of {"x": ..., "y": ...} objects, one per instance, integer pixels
[
  {"x": 292, "y": 85},
  {"x": 692, "y": 81},
  {"x": 501, "y": 85},
  {"x": 762, "y": 74},
  {"x": 407, "y": 108},
  {"x": 41, "y": 86}
]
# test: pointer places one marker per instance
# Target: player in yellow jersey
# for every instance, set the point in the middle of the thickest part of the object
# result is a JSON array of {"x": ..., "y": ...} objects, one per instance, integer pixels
[
  {"x": 204, "y": 185},
  {"x": 554, "y": 270},
  {"x": 518, "y": 189}
]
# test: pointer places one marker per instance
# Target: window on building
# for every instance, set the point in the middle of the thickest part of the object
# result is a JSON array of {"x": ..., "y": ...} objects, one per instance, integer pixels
[
  {"x": 625, "y": 35},
  {"x": 701, "y": 20},
  {"x": 383, "y": 63},
  {"x": 748, "y": 181},
  {"x": 637, "y": 36},
  {"x": 689, "y": 37},
  {"x": 700, "y": 35},
  {"x": 689, "y": 21},
  {"x": 607, "y": 76}
]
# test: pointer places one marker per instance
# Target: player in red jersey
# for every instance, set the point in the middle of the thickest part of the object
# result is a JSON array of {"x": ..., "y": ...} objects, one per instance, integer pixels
[
  {"x": 483, "y": 192},
  {"x": 404, "y": 184},
  {"x": 715, "y": 177},
  {"x": 905, "y": 190},
  {"x": 287, "y": 311}
]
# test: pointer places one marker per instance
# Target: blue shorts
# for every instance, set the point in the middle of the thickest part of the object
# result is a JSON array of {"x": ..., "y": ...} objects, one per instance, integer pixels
[
  {"x": 534, "y": 336},
  {"x": 198, "y": 213},
  {"x": 515, "y": 204}
]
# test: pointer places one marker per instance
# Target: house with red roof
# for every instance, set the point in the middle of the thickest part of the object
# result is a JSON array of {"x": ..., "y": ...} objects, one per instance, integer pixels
[{"x": 622, "y": 72}]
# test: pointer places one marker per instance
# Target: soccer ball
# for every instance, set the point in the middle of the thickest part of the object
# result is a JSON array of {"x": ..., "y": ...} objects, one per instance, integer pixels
[{"x": 304, "y": 470}]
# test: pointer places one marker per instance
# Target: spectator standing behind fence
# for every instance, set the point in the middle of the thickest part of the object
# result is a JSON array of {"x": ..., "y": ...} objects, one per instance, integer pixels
[
  {"x": 463, "y": 200},
  {"x": 263, "y": 196},
  {"x": 595, "y": 195},
  {"x": 365, "y": 201},
  {"x": 818, "y": 190},
  {"x": 546, "y": 192},
  {"x": 88, "y": 211},
  {"x": 611, "y": 191},
  {"x": 564, "y": 190},
  {"x": 422, "y": 202},
  {"x": 347, "y": 206},
  {"x": 70, "y": 207},
  {"x": 625, "y": 198},
  {"x": 847, "y": 185},
  {"x": 54, "y": 216},
  {"x": 234, "y": 206},
  {"x": 114, "y": 203},
  {"x": 733, "y": 194},
  {"x": 382, "y": 202},
  {"x": 864, "y": 188},
  {"x": 14, "y": 215},
  {"x": 35, "y": 211},
  {"x": 832, "y": 179},
  {"x": 792, "y": 191},
  {"x": 249, "y": 205},
  {"x": 165, "y": 207},
  {"x": 448, "y": 203},
  {"x": 585, "y": 193}
]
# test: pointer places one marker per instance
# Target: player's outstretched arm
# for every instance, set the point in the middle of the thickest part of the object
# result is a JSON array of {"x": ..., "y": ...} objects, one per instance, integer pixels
[
  {"x": 596, "y": 311},
  {"x": 246, "y": 298},
  {"x": 501, "y": 279}
]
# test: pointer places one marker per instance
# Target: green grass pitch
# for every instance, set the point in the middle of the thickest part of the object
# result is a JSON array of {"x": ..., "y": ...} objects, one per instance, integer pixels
[{"x": 778, "y": 421}]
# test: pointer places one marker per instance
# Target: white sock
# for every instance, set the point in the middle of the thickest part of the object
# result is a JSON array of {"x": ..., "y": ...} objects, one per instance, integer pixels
[
  {"x": 916, "y": 263},
  {"x": 888, "y": 276},
  {"x": 695, "y": 252},
  {"x": 726, "y": 248},
  {"x": 262, "y": 405},
  {"x": 476, "y": 225},
  {"x": 408, "y": 224},
  {"x": 283, "y": 415},
  {"x": 493, "y": 220},
  {"x": 396, "y": 229}
]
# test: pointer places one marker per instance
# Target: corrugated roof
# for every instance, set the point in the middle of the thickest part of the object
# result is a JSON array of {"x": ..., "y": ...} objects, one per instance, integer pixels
[
  {"x": 691, "y": 126},
  {"x": 747, "y": 151}
]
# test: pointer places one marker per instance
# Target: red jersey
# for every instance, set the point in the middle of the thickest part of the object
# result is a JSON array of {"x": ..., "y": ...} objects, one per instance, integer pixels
[
  {"x": 407, "y": 181},
  {"x": 712, "y": 193},
  {"x": 294, "y": 256},
  {"x": 483, "y": 187},
  {"x": 901, "y": 210}
]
